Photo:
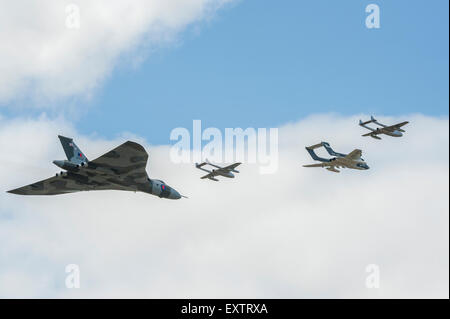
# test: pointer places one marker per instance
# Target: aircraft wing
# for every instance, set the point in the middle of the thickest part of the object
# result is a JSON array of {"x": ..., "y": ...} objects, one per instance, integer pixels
[
  {"x": 399, "y": 125},
  {"x": 63, "y": 184},
  {"x": 370, "y": 134},
  {"x": 210, "y": 176},
  {"x": 230, "y": 167},
  {"x": 49, "y": 186},
  {"x": 354, "y": 155},
  {"x": 123, "y": 168},
  {"x": 207, "y": 176},
  {"x": 318, "y": 165},
  {"x": 395, "y": 127},
  {"x": 129, "y": 157}
]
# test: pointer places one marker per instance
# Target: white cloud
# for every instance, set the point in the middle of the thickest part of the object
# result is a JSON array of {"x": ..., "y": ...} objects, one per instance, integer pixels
[
  {"x": 44, "y": 59},
  {"x": 298, "y": 233}
]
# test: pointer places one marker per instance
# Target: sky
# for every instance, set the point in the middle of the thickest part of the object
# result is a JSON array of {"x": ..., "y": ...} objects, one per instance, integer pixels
[
  {"x": 253, "y": 57},
  {"x": 311, "y": 69}
]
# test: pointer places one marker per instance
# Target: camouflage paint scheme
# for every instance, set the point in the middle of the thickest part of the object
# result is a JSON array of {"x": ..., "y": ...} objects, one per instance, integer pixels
[{"x": 122, "y": 168}]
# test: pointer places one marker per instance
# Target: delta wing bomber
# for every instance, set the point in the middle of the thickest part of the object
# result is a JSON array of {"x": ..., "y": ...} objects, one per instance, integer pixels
[{"x": 122, "y": 168}]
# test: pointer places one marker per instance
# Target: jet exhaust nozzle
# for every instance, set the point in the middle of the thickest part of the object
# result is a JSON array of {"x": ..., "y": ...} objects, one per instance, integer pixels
[{"x": 66, "y": 165}]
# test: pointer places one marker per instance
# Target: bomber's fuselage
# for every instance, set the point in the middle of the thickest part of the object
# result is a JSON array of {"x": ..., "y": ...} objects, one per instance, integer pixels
[{"x": 161, "y": 189}]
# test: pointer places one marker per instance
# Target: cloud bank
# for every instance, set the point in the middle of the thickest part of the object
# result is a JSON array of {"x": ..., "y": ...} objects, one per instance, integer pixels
[
  {"x": 298, "y": 233},
  {"x": 53, "y": 50}
]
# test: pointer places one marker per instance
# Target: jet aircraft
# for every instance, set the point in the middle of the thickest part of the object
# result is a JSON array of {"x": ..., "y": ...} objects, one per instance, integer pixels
[
  {"x": 122, "y": 168},
  {"x": 392, "y": 130},
  {"x": 352, "y": 160},
  {"x": 226, "y": 171}
]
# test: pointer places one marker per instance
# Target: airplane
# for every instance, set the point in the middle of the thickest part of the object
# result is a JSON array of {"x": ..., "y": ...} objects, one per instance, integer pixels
[
  {"x": 122, "y": 168},
  {"x": 220, "y": 171},
  {"x": 352, "y": 160},
  {"x": 393, "y": 130}
]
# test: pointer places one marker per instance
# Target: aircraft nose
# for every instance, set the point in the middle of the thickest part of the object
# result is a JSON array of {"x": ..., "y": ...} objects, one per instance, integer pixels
[{"x": 174, "y": 194}]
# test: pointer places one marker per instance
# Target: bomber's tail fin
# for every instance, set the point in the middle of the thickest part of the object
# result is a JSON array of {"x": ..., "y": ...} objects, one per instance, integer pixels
[{"x": 73, "y": 153}]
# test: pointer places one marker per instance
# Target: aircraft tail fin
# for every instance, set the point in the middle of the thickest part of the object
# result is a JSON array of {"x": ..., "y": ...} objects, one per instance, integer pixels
[
  {"x": 313, "y": 154},
  {"x": 73, "y": 153},
  {"x": 363, "y": 124},
  {"x": 373, "y": 120},
  {"x": 331, "y": 151}
]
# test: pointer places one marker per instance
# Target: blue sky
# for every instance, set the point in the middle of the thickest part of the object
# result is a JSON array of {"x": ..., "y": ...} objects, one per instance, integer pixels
[
  {"x": 265, "y": 63},
  {"x": 253, "y": 64}
]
